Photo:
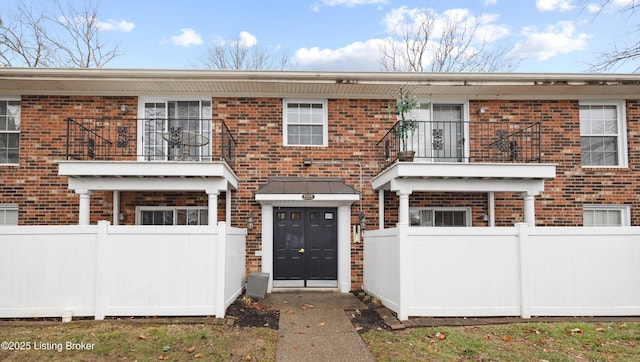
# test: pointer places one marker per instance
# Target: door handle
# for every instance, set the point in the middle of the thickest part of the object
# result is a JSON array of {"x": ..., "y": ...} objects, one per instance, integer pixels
[{"x": 301, "y": 251}]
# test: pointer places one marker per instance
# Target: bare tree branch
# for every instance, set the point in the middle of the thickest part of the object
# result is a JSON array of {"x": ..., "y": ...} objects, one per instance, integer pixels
[
  {"x": 22, "y": 39},
  {"x": 454, "y": 47},
  {"x": 620, "y": 55},
  {"x": 234, "y": 54},
  {"x": 63, "y": 37}
]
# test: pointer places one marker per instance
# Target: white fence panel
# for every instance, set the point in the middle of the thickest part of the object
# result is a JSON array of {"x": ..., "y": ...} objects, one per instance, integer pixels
[
  {"x": 463, "y": 272},
  {"x": 518, "y": 271},
  {"x": 99, "y": 270},
  {"x": 585, "y": 271},
  {"x": 46, "y": 270},
  {"x": 169, "y": 270},
  {"x": 235, "y": 268},
  {"x": 381, "y": 270}
]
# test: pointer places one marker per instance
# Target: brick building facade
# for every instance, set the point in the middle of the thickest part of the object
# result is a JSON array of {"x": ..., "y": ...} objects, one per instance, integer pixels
[{"x": 354, "y": 118}]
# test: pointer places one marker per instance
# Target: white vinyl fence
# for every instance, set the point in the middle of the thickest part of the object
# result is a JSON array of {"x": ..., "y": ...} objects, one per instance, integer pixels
[
  {"x": 513, "y": 271},
  {"x": 103, "y": 270}
]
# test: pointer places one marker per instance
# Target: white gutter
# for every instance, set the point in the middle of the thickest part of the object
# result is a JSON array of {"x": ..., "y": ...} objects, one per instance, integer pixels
[{"x": 409, "y": 78}]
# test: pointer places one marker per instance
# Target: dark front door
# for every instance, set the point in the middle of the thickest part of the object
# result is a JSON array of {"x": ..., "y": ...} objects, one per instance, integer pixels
[{"x": 305, "y": 250}]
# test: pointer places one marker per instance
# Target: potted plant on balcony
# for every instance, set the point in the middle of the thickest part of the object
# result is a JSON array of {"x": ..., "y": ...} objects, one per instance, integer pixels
[{"x": 406, "y": 126}]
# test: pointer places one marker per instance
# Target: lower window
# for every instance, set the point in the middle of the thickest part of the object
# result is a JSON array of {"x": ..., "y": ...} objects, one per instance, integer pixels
[
  {"x": 172, "y": 216},
  {"x": 606, "y": 215},
  {"x": 420, "y": 216},
  {"x": 8, "y": 214}
]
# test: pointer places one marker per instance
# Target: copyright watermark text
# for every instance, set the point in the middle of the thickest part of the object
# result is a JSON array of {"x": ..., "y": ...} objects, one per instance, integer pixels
[{"x": 46, "y": 346}]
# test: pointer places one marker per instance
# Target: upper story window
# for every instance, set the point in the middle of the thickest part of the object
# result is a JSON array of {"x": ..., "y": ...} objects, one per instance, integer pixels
[
  {"x": 606, "y": 215},
  {"x": 8, "y": 214},
  {"x": 9, "y": 131},
  {"x": 603, "y": 133},
  {"x": 305, "y": 122},
  {"x": 440, "y": 132},
  {"x": 176, "y": 129}
]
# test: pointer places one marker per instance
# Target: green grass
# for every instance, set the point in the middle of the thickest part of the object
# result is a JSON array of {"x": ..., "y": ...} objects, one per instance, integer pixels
[
  {"x": 512, "y": 342},
  {"x": 113, "y": 341},
  {"x": 126, "y": 341}
]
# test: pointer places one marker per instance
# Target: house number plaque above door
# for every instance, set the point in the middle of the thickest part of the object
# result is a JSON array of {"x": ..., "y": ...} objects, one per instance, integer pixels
[{"x": 308, "y": 197}]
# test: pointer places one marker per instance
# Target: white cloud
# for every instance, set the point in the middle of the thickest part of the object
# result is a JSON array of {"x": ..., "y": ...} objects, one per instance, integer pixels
[
  {"x": 187, "y": 38},
  {"x": 552, "y": 5},
  {"x": 625, "y": 2},
  {"x": 111, "y": 24},
  {"x": 352, "y": 3},
  {"x": 613, "y": 5},
  {"x": 355, "y": 56},
  {"x": 490, "y": 2},
  {"x": 554, "y": 40},
  {"x": 247, "y": 40},
  {"x": 315, "y": 7},
  {"x": 487, "y": 29},
  {"x": 594, "y": 8},
  {"x": 366, "y": 55}
]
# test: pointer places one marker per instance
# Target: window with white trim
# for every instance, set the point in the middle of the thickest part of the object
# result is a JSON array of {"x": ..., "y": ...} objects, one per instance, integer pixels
[
  {"x": 606, "y": 215},
  {"x": 175, "y": 129},
  {"x": 603, "y": 133},
  {"x": 440, "y": 133},
  {"x": 305, "y": 122},
  {"x": 8, "y": 214},
  {"x": 162, "y": 215},
  {"x": 9, "y": 131},
  {"x": 440, "y": 216}
]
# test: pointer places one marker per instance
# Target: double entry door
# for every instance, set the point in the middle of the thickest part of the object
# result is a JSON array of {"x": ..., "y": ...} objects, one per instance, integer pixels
[{"x": 305, "y": 250}]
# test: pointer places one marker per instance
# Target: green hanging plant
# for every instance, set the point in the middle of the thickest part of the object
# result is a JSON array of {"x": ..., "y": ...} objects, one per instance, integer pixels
[{"x": 405, "y": 127}]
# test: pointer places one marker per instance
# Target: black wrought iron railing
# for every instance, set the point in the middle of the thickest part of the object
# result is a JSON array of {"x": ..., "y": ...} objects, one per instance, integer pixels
[
  {"x": 452, "y": 141},
  {"x": 150, "y": 139}
]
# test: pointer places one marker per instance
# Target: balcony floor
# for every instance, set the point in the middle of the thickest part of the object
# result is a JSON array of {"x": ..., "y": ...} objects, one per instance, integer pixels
[
  {"x": 152, "y": 176},
  {"x": 465, "y": 177}
]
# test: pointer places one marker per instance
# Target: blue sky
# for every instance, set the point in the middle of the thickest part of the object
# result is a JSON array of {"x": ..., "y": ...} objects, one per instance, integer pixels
[{"x": 546, "y": 35}]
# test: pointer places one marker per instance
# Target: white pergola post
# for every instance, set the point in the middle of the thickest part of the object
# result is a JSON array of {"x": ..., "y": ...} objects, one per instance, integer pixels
[
  {"x": 116, "y": 207},
  {"x": 403, "y": 208},
  {"x": 84, "y": 207},
  {"x": 213, "y": 207},
  {"x": 492, "y": 209},
  {"x": 380, "y": 209},
  {"x": 529, "y": 209},
  {"x": 228, "y": 207}
]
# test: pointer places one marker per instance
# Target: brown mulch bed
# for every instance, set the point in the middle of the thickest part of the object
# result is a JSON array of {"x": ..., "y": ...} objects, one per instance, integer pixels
[
  {"x": 368, "y": 319},
  {"x": 246, "y": 312}
]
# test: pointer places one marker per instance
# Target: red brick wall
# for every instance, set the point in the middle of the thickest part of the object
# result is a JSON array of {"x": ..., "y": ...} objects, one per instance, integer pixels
[
  {"x": 562, "y": 201},
  {"x": 574, "y": 186},
  {"x": 355, "y": 126},
  {"x": 34, "y": 184}
]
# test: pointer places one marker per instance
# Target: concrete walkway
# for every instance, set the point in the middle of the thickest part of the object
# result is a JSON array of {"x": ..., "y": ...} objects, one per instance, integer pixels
[{"x": 313, "y": 326}]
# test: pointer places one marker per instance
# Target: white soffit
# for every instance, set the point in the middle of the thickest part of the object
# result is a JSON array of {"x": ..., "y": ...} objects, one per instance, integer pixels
[{"x": 379, "y": 85}]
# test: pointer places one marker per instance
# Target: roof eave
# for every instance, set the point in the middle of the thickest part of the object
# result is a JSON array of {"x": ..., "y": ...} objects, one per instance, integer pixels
[{"x": 57, "y": 81}]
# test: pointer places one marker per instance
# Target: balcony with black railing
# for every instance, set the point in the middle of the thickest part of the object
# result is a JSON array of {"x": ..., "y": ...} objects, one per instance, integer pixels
[
  {"x": 156, "y": 139},
  {"x": 455, "y": 141}
]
